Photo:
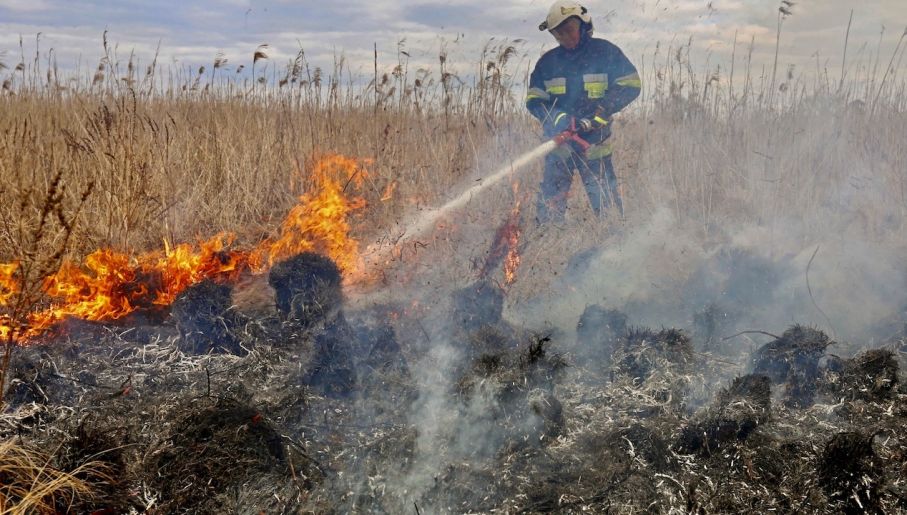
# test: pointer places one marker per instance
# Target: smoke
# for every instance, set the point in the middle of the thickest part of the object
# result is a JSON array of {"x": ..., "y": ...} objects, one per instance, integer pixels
[
  {"x": 434, "y": 414},
  {"x": 659, "y": 274},
  {"x": 471, "y": 400},
  {"x": 825, "y": 253}
]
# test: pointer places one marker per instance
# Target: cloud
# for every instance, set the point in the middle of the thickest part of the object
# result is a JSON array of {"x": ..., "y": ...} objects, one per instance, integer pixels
[
  {"x": 23, "y": 5},
  {"x": 192, "y": 32}
]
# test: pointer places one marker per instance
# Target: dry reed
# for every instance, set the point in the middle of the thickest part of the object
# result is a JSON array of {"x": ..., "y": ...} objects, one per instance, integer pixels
[{"x": 30, "y": 484}]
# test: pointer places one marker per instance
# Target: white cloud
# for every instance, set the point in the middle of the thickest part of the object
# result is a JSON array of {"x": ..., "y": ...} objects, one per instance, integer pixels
[
  {"x": 193, "y": 32},
  {"x": 24, "y": 5}
]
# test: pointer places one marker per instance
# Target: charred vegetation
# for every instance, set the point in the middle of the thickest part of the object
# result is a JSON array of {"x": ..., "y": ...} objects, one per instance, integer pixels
[
  {"x": 870, "y": 376},
  {"x": 737, "y": 411},
  {"x": 213, "y": 449},
  {"x": 307, "y": 289},
  {"x": 309, "y": 404},
  {"x": 643, "y": 352},
  {"x": 520, "y": 385},
  {"x": 205, "y": 320},
  {"x": 300, "y": 421},
  {"x": 850, "y": 473},
  {"x": 793, "y": 361}
]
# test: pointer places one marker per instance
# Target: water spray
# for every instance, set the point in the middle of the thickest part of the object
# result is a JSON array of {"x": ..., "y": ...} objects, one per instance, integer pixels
[{"x": 426, "y": 220}]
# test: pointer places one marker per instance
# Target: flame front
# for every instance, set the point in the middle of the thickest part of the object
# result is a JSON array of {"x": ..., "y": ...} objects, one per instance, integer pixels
[
  {"x": 9, "y": 287},
  {"x": 109, "y": 285},
  {"x": 319, "y": 221}
]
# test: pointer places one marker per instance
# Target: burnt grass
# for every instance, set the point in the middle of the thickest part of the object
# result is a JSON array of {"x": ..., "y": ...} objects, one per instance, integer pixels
[{"x": 320, "y": 408}]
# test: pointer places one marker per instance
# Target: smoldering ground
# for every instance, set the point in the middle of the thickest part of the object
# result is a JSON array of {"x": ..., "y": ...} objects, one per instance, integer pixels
[
  {"x": 729, "y": 296},
  {"x": 454, "y": 397},
  {"x": 739, "y": 287},
  {"x": 658, "y": 276}
]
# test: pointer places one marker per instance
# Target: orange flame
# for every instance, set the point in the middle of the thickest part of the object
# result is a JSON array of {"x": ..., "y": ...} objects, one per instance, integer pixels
[
  {"x": 389, "y": 191},
  {"x": 109, "y": 285},
  {"x": 512, "y": 259},
  {"x": 9, "y": 285},
  {"x": 505, "y": 245},
  {"x": 319, "y": 221}
]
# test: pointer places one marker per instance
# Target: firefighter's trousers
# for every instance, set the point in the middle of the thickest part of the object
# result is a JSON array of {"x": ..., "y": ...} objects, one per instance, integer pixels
[{"x": 597, "y": 173}]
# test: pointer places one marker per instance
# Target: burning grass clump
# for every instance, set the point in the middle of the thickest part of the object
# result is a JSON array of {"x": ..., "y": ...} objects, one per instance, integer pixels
[
  {"x": 307, "y": 289},
  {"x": 206, "y": 321},
  {"x": 599, "y": 331},
  {"x": 735, "y": 414},
  {"x": 870, "y": 376},
  {"x": 850, "y": 473},
  {"x": 214, "y": 449},
  {"x": 793, "y": 360}
]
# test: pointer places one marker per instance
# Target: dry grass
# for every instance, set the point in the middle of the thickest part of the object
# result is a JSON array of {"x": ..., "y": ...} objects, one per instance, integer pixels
[
  {"x": 176, "y": 162},
  {"x": 175, "y": 156},
  {"x": 30, "y": 484},
  {"x": 177, "y": 169}
]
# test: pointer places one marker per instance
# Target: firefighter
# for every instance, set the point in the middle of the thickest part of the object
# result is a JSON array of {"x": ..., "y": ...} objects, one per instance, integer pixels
[{"x": 580, "y": 84}]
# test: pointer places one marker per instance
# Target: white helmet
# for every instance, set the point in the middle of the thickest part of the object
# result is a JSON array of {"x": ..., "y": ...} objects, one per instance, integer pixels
[{"x": 563, "y": 10}]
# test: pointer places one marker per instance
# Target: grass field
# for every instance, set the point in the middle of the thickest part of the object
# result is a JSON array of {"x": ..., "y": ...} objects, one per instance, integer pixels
[{"x": 130, "y": 161}]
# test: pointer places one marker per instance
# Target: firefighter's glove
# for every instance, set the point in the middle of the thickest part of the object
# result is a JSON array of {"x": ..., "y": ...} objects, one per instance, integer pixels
[{"x": 584, "y": 125}]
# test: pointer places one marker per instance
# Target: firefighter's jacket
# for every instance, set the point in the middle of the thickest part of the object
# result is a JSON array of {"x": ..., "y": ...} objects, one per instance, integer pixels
[{"x": 594, "y": 81}]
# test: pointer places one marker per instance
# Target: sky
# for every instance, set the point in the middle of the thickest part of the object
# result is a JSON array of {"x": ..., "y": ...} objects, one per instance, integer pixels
[{"x": 191, "y": 33}]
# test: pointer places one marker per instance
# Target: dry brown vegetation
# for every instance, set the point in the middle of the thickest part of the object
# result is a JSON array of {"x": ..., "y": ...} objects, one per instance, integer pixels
[
  {"x": 191, "y": 156},
  {"x": 179, "y": 164},
  {"x": 30, "y": 482}
]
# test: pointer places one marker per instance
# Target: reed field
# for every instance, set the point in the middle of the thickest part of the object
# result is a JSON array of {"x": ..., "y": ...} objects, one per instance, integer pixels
[{"x": 185, "y": 157}]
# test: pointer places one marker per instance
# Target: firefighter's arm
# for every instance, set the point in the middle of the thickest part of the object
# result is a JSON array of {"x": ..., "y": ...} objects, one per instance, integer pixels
[
  {"x": 623, "y": 87},
  {"x": 542, "y": 105}
]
